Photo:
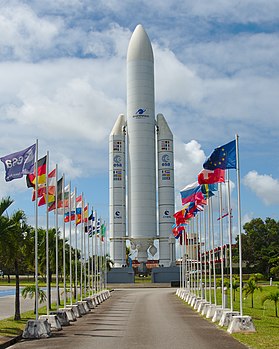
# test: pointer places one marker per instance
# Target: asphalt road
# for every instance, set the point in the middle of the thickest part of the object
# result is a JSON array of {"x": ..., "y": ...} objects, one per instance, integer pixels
[{"x": 142, "y": 319}]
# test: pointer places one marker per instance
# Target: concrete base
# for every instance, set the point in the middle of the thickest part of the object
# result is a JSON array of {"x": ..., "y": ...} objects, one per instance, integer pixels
[
  {"x": 36, "y": 329},
  {"x": 205, "y": 309},
  {"x": 241, "y": 324},
  {"x": 90, "y": 302},
  {"x": 197, "y": 304},
  {"x": 201, "y": 306},
  {"x": 218, "y": 314},
  {"x": 227, "y": 318},
  {"x": 211, "y": 311},
  {"x": 165, "y": 274},
  {"x": 83, "y": 307},
  {"x": 62, "y": 317},
  {"x": 121, "y": 275},
  {"x": 75, "y": 310},
  {"x": 70, "y": 314},
  {"x": 53, "y": 321}
]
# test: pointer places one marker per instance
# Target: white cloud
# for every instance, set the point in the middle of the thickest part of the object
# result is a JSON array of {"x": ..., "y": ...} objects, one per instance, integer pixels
[{"x": 264, "y": 186}]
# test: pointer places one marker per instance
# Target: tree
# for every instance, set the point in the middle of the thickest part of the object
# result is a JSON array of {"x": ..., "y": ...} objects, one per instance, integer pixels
[
  {"x": 12, "y": 242},
  {"x": 30, "y": 291},
  {"x": 273, "y": 297},
  {"x": 250, "y": 289},
  {"x": 260, "y": 245}
]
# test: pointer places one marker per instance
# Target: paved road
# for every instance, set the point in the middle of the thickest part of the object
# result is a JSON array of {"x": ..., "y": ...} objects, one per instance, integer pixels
[{"x": 142, "y": 319}]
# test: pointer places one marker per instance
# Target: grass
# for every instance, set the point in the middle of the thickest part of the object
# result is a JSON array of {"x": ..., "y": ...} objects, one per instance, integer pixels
[{"x": 263, "y": 316}]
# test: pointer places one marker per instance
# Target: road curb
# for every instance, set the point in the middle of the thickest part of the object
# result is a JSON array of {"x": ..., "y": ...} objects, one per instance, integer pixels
[{"x": 10, "y": 342}]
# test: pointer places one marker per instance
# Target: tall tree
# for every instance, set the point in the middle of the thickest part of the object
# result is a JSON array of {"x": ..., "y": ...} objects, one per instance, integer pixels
[{"x": 260, "y": 244}]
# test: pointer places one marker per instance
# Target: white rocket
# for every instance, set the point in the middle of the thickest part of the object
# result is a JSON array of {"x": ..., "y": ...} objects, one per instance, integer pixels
[{"x": 141, "y": 165}]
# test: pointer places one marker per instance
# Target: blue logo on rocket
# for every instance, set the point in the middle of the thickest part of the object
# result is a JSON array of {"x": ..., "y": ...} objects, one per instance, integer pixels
[{"x": 140, "y": 111}]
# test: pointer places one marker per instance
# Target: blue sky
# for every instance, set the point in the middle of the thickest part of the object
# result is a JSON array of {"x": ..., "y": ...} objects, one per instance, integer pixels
[{"x": 63, "y": 81}]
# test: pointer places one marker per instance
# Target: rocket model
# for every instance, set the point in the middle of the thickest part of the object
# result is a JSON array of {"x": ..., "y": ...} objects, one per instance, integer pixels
[{"x": 141, "y": 165}]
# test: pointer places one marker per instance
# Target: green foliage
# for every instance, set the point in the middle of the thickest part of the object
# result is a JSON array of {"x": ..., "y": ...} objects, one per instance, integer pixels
[
  {"x": 273, "y": 297},
  {"x": 250, "y": 288},
  {"x": 260, "y": 246}
]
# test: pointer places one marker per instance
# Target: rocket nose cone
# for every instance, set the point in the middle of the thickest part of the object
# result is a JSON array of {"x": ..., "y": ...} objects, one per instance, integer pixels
[{"x": 140, "y": 46}]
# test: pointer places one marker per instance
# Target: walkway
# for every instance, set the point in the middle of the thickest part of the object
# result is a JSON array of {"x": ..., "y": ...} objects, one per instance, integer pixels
[{"x": 142, "y": 319}]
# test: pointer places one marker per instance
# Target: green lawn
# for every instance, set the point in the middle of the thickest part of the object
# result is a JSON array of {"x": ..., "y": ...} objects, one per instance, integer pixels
[{"x": 263, "y": 316}]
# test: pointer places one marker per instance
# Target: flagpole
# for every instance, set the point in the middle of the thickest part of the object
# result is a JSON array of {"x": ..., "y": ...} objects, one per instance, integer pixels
[
  {"x": 92, "y": 253},
  {"x": 88, "y": 251},
  {"x": 36, "y": 232},
  {"x": 221, "y": 243},
  {"x": 47, "y": 242},
  {"x": 95, "y": 252},
  {"x": 230, "y": 240},
  {"x": 239, "y": 222},
  {"x": 64, "y": 243},
  {"x": 81, "y": 255},
  {"x": 76, "y": 266},
  {"x": 70, "y": 242},
  {"x": 56, "y": 240}
]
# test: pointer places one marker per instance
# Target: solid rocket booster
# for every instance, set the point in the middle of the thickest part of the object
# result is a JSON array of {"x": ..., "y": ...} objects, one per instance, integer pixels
[
  {"x": 144, "y": 149},
  {"x": 141, "y": 138},
  {"x": 117, "y": 191}
]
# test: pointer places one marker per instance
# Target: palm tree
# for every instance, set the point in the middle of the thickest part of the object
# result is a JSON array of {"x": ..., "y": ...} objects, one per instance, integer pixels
[
  {"x": 273, "y": 297},
  {"x": 30, "y": 291},
  {"x": 235, "y": 285},
  {"x": 250, "y": 289},
  {"x": 11, "y": 243}
]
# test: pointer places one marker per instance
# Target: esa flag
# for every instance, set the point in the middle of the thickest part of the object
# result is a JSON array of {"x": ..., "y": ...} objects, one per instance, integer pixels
[
  {"x": 223, "y": 157},
  {"x": 20, "y": 163}
]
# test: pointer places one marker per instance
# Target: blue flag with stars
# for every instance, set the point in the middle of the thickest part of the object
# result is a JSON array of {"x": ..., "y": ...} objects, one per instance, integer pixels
[{"x": 223, "y": 157}]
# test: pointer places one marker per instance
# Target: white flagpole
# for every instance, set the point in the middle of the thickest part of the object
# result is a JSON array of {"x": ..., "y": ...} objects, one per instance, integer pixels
[
  {"x": 76, "y": 264},
  {"x": 95, "y": 253},
  {"x": 81, "y": 254},
  {"x": 205, "y": 257},
  {"x": 64, "y": 244},
  {"x": 230, "y": 240},
  {"x": 36, "y": 232},
  {"x": 221, "y": 243},
  {"x": 56, "y": 240},
  {"x": 88, "y": 251},
  {"x": 92, "y": 252},
  {"x": 70, "y": 241},
  {"x": 209, "y": 249},
  {"x": 47, "y": 227},
  {"x": 239, "y": 223}
]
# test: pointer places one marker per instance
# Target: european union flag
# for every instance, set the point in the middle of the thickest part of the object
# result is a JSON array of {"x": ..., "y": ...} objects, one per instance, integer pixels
[{"x": 223, "y": 157}]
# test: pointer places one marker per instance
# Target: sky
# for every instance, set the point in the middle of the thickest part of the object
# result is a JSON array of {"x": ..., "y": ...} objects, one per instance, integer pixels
[{"x": 63, "y": 82}]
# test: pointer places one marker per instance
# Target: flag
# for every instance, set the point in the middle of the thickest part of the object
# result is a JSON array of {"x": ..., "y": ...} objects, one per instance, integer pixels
[
  {"x": 78, "y": 209},
  {"x": 85, "y": 214},
  {"x": 189, "y": 193},
  {"x": 42, "y": 189},
  {"x": 31, "y": 178},
  {"x": 223, "y": 157},
  {"x": 20, "y": 163},
  {"x": 225, "y": 215},
  {"x": 208, "y": 189},
  {"x": 103, "y": 231},
  {"x": 52, "y": 206},
  {"x": 211, "y": 176},
  {"x": 98, "y": 226}
]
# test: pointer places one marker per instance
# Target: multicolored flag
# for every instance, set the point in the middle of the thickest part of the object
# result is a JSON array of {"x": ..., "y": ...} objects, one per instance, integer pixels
[
  {"x": 20, "y": 163},
  {"x": 85, "y": 214},
  {"x": 59, "y": 190},
  {"x": 223, "y": 157},
  {"x": 31, "y": 178},
  {"x": 42, "y": 189},
  {"x": 211, "y": 176},
  {"x": 78, "y": 209}
]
